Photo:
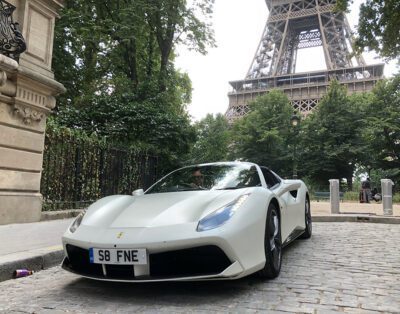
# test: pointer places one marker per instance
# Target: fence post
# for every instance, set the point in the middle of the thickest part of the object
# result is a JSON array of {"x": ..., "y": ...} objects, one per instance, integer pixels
[
  {"x": 77, "y": 174},
  {"x": 334, "y": 196}
]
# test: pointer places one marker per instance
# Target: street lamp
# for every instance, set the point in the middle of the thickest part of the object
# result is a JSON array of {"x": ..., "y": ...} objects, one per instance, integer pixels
[{"x": 295, "y": 123}]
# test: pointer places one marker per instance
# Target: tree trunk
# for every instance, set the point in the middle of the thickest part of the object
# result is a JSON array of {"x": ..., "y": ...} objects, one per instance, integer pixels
[
  {"x": 163, "y": 72},
  {"x": 130, "y": 55},
  {"x": 349, "y": 180}
]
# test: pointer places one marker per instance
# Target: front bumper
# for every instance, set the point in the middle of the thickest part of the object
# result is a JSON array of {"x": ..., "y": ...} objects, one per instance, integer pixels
[
  {"x": 176, "y": 252},
  {"x": 198, "y": 263}
]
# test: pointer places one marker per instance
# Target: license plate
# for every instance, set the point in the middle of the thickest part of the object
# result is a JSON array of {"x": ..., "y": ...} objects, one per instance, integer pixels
[{"x": 118, "y": 256}]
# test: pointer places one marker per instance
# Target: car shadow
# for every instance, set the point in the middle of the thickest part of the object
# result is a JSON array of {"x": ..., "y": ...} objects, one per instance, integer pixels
[{"x": 165, "y": 292}]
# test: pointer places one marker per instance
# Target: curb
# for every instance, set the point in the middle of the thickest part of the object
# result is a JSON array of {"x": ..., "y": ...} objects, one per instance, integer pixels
[
  {"x": 35, "y": 260},
  {"x": 60, "y": 214},
  {"x": 365, "y": 218}
]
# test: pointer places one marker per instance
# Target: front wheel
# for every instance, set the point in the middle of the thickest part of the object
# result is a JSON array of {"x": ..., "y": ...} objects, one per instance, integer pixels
[
  {"x": 307, "y": 220},
  {"x": 272, "y": 244}
]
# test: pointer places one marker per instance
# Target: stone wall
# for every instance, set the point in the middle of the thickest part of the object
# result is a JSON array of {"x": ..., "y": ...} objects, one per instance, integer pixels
[{"x": 27, "y": 96}]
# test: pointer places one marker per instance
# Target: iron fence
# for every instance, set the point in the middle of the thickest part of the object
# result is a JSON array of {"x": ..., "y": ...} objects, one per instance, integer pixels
[{"x": 77, "y": 172}]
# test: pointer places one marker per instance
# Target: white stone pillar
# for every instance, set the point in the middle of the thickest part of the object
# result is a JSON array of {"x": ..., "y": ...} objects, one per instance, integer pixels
[
  {"x": 334, "y": 196},
  {"x": 27, "y": 96},
  {"x": 387, "y": 196}
]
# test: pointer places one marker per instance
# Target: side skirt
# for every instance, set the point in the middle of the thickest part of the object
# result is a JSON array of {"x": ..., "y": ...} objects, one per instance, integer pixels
[{"x": 293, "y": 236}]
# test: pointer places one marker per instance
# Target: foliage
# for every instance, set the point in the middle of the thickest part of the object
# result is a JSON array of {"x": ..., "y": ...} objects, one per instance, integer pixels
[
  {"x": 80, "y": 168},
  {"x": 345, "y": 136},
  {"x": 378, "y": 27},
  {"x": 351, "y": 196},
  {"x": 101, "y": 44},
  {"x": 361, "y": 103},
  {"x": 343, "y": 5},
  {"x": 264, "y": 136},
  {"x": 354, "y": 196},
  {"x": 331, "y": 138},
  {"x": 212, "y": 140},
  {"x": 383, "y": 127},
  {"x": 131, "y": 123},
  {"x": 116, "y": 60},
  {"x": 357, "y": 136}
]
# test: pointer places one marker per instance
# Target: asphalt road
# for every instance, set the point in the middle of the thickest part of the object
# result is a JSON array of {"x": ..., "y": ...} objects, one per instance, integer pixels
[{"x": 345, "y": 267}]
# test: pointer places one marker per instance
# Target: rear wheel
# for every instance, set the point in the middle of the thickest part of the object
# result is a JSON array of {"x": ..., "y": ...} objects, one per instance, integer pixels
[
  {"x": 272, "y": 244},
  {"x": 307, "y": 220}
]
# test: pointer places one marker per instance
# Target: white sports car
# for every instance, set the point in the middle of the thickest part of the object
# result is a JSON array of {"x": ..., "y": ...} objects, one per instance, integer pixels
[{"x": 210, "y": 221}]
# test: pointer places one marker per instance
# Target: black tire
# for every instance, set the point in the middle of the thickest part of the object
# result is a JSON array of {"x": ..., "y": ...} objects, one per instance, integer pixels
[
  {"x": 272, "y": 244},
  {"x": 308, "y": 221}
]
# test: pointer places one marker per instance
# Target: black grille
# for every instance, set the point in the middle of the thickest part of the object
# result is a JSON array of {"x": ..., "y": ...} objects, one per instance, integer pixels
[
  {"x": 203, "y": 260},
  {"x": 78, "y": 261},
  {"x": 199, "y": 261},
  {"x": 120, "y": 271}
]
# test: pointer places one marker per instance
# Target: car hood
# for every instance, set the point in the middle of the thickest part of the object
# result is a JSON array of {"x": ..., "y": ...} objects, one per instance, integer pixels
[{"x": 155, "y": 210}]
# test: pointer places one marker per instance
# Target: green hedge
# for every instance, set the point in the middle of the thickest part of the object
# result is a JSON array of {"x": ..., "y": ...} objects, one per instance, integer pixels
[{"x": 79, "y": 169}]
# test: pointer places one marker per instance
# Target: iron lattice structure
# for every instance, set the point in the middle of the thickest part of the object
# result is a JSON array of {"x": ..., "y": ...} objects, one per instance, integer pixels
[{"x": 294, "y": 25}]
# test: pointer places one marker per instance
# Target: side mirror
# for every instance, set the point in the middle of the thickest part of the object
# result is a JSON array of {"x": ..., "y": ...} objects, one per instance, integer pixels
[{"x": 138, "y": 192}]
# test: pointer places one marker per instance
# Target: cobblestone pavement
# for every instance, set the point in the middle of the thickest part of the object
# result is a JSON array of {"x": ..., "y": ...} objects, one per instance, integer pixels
[{"x": 344, "y": 267}]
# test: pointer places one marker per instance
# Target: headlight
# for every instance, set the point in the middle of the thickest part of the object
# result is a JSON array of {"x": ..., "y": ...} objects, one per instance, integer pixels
[
  {"x": 77, "y": 222},
  {"x": 222, "y": 215}
]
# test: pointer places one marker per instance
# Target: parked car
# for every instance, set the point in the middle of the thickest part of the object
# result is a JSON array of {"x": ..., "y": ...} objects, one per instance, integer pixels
[{"x": 210, "y": 221}]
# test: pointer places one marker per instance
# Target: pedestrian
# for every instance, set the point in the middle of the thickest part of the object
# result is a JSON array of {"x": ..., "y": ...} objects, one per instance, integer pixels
[{"x": 365, "y": 193}]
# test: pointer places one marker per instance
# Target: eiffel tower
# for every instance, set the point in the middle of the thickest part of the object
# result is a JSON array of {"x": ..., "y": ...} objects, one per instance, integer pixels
[{"x": 294, "y": 25}]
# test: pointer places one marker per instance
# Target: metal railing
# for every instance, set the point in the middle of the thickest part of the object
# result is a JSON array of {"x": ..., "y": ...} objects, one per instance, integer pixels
[
  {"x": 77, "y": 172},
  {"x": 12, "y": 43}
]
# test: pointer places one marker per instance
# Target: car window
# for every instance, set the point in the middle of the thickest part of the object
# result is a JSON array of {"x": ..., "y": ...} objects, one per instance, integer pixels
[
  {"x": 270, "y": 179},
  {"x": 208, "y": 177}
]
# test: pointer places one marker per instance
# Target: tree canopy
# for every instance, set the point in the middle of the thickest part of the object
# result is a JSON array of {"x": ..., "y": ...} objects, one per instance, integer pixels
[
  {"x": 378, "y": 26},
  {"x": 264, "y": 135},
  {"x": 331, "y": 138},
  {"x": 383, "y": 127},
  {"x": 116, "y": 59},
  {"x": 212, "y": 141}
]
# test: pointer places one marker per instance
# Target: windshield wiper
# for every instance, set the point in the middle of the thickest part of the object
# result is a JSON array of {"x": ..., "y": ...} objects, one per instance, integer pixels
[
  {"x": 232, "y": 188},
  {"x": 192, "y": 189}
]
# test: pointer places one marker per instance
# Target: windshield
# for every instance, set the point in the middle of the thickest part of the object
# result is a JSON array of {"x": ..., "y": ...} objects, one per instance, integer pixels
[{"x": 208, "y": 177}]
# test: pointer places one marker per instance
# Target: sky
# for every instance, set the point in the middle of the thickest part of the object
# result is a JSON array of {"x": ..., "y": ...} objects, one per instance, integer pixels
[{"x": 238, "y": 26}]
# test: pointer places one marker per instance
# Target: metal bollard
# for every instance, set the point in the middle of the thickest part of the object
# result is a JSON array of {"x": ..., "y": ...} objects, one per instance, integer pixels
[
  {"x": 387, "y": 196},
  {"x": 334, "y": 196}
]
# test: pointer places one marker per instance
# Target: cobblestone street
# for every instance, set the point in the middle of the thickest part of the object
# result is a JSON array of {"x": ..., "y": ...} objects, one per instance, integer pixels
[{"x": 345, "y": 267}]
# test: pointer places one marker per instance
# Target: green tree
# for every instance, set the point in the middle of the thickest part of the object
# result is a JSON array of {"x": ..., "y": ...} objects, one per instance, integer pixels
[
  {"x": 264, "y": 136},
  {"x": 174, "y": 21},
  {"x": 212, "y": 140},
  {"x": 116, "y": 59},
  {"x": 378, "y": 26},
  {"x": 109, "y": 41},
  {"x": 361, "y": 102},
  {"x": 382, "y": 132},
  {"x": 332, "y": 138}
]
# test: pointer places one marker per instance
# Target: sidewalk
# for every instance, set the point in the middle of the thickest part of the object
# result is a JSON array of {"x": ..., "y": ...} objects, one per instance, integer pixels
[
  {"x": 37, "y": 246},
  {"x": 322, "y": 208},
  {"x": 354, "y": 212},
  {"x": 33, "y": 246}
]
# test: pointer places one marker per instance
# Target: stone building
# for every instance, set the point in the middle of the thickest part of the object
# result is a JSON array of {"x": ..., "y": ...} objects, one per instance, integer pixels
[{"x": 27, "y": 96}]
